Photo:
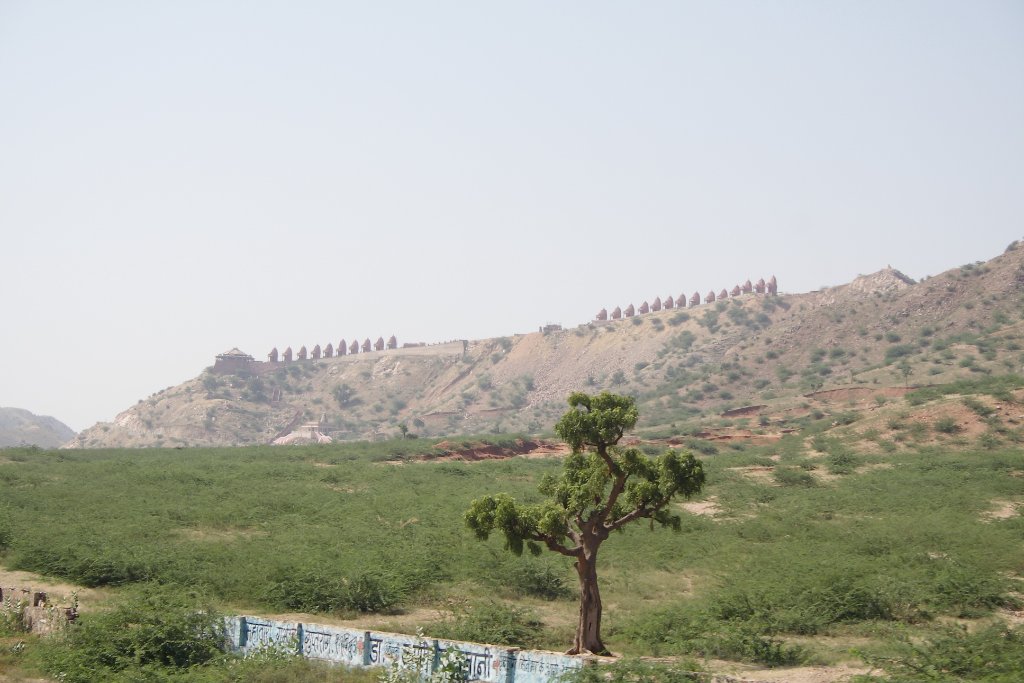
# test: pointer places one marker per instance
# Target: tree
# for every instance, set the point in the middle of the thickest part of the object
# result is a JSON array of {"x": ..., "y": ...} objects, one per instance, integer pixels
[
  {"x": 906, "y": 371},
  {"x": 602, "y": 488}
]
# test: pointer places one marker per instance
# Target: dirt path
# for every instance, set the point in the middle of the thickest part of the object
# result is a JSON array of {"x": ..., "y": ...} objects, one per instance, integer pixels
[{"x": 58, "y": 592}]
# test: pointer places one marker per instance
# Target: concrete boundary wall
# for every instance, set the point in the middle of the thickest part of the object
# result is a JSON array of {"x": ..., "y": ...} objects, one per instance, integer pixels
[{"x": 355, "y": 648}]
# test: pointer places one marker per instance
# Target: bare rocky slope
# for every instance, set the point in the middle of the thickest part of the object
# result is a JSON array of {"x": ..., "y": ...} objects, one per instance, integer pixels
[
  {"x": 19, "y": 427},
  {"x": 753, "y": 357}
]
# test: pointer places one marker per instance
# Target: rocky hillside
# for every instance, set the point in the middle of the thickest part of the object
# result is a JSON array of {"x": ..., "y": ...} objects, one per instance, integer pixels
[
  {"x": 21, "y": 428},
  {"x": 752, "y": 358}
]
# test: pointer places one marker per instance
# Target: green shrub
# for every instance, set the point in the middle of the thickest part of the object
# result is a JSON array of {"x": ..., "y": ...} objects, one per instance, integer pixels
[
  {"x": 313, "y": 590},
  {"x": 946, "y": 425},
  {"x": 841, "y": 461},
  {"x": 990, "y": 440},
  {"x": 703, "y": 633},
  {"x": 898, "y": 351},
  {"x": 679, "y": 318},
  {"x": 793, "y": 477},
  {"x": 978, "y": 407},
  {"x": 90, "y": 564},
  {"x": 994, "y": 654},
  {"x": 636, "y": 671},
  {"x": 536, "y": 580},
  {"x": 158, "y": 628},
  {"x": 492, "y": 622},
  {"x": 6, "y": 528}
]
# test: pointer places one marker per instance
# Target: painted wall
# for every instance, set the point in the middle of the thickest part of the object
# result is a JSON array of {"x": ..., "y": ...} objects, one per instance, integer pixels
[{"x": 489, "y": 663}]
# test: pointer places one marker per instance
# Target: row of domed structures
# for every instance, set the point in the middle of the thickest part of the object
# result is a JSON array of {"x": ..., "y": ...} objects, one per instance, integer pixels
[
  {"x": 329, "y": 351},
  {"x": 235, "y": 361},
  {"x": 760, "y": 287}
]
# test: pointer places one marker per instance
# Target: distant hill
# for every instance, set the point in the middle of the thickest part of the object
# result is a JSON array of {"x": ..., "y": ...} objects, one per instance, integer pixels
[
  {"x": 21, "y": 428},
  {"x": 752, "y": 359}
]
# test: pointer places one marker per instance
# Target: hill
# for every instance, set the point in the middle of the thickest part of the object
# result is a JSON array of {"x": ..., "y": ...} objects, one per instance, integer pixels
[
  {"x": 749, "y": 362},
  {"x": 21, "y": 428}
]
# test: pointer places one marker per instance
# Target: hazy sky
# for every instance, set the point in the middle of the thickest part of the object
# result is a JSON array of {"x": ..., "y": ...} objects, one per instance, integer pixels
[{"x": 177, "y": 178}]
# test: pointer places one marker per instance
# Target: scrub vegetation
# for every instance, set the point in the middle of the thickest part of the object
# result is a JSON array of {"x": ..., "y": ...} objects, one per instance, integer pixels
[{"x": 810, "y": 549}]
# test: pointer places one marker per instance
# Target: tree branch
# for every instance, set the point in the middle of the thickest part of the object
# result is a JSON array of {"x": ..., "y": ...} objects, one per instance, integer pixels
[
  {"x": 642, "y": 511},
  {"x": 617, "y": 488},
  {"x": 552, "y": 543}
]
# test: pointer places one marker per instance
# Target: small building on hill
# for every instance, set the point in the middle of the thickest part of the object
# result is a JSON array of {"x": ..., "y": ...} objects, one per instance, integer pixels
[{"x": 233, "y": 361}]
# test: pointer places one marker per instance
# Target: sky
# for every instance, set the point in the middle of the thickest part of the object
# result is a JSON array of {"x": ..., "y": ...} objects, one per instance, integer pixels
[{"x": 179, "y": 178}]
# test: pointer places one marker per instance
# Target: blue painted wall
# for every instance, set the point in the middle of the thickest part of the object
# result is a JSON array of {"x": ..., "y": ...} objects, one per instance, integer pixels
[{"x": 486, "y": 663}]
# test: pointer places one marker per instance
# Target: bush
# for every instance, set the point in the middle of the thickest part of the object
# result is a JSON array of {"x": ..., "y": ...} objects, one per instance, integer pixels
[
  {"x": 313, "y": 590},
  {"x": 368, "y": 592},
  {"x": 6, "y": 528},
  {"x": 978, "y": 407},
  {"x": 540, "y": 581},
  {"x": 994, "y": 654},
  {"x": 793, "y": 477},
  {"x": 706, "y": 634},
  {"x": 841, "y": 461},
  {"x": 345, "y": 396},
  {"x": 88, "y": 564},
  {"x": 898, "y": 351},
  {"x": 946, "y": 425},
  {"x": 159, "y": 627},
  {"x": 636, "y": 671},
  {"x": 492, "y": 622},
  {"x": 679, "y": 318}
]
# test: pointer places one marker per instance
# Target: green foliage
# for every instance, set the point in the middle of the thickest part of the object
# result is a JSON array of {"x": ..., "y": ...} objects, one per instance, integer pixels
[
  {"x": 636, "y": 671},
  {"x": 533, "y": 579},
  {"x": 788, "y": 476},
  {"x": 868, "y": 553},
  {"x": 704, "y": 634},
  {"x": 709, "y": 320},
  {"x": 897, "y": 351},
  {"x": 158, "y": 628},
  {"x": 492, "y": 622},
  {"x": 978, "y": 407},
  {"x": 6, "y": 527},
  {"x": 998, "y": 386},
  {"x": 345, "y": 396},
  {"x": 994, "y": 654},
  {"x": 599, "y": 491},
  {"x": 841, "y": 461},
  {"x": 582, "y": 490},
  {"x": 683, "y": 341},
  {"x": 678, "y": 318},
  {"x": 312, "y": 590}
]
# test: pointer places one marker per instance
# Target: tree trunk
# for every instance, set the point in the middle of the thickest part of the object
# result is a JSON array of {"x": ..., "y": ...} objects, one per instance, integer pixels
[{"x": 588, "y": 631}]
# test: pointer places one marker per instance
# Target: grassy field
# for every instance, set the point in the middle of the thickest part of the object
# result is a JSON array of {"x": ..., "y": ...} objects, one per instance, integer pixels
[{"x": 796, "y": 556}]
